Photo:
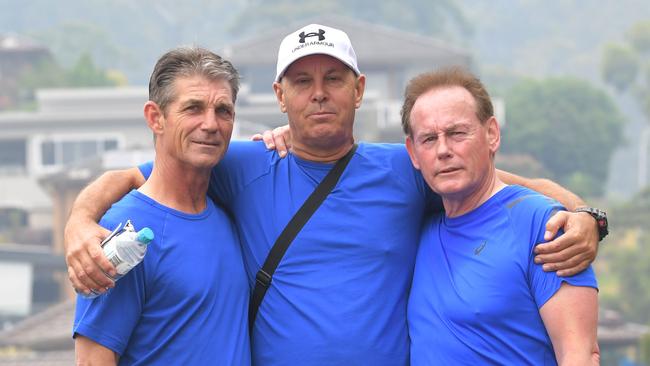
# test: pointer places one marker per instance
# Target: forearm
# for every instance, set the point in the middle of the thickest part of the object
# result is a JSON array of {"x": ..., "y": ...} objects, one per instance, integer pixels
[
  {"x": 96, "y": 198},
  {"x": 578, "y": 358},
  {"x": 546, "y": 187}
]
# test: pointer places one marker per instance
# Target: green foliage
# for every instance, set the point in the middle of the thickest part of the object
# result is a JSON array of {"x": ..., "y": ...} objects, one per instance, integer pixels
[
  {"x": 85, "y": 73},
  {"x": 620, "y": 66},
  {"x": 48, "y": 74},
  {"x": 629, "y": 267},
  {"x": 639, "y": 36},
  {"x": 634, "y": 214},
  {"x": 567, "y": 125},
  {"x": 644, "y": 349},
  {"x": 626, "y": 66}
]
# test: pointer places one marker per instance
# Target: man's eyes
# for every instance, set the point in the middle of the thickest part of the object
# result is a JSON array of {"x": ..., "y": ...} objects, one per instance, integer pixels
[{"x": 225, "y": 112}]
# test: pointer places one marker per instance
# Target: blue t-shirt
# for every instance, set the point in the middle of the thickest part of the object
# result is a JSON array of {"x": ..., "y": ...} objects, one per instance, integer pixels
[
  {"x": 476, "y": 290},
  {"x": 339, "y": 294},
  {"x": 185, "y": 304}
]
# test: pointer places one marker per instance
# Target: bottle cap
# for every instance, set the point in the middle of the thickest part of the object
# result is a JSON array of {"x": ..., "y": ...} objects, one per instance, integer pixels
[{"x": 145, "y": 235}]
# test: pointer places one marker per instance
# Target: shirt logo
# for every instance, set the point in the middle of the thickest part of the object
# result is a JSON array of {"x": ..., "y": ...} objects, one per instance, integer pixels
[
  {"x": 320, "y": 34},
  {"x": 480, "y": 248}
]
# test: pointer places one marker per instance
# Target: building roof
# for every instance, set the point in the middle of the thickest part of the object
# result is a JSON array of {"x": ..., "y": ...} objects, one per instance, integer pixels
[
  {"x": 48, "y": 330},
  {"x": 374, "y": 45},
  {"x": 10, "y": 43},
  {"x": 44, "y": 339}
]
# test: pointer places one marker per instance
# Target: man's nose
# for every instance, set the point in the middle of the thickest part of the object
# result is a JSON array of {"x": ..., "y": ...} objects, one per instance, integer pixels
[
  {"x": 442, "y": 148},
  {"x": 319, "y": 93},
  {"x": 210, "y": 122}
]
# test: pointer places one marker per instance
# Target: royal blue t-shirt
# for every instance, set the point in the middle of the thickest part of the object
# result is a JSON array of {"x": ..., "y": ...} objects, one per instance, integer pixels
[
  {"x": 339, "y": 294},
  {"x": 476, "y": 290},
  {"x": 185, "y": 304}
]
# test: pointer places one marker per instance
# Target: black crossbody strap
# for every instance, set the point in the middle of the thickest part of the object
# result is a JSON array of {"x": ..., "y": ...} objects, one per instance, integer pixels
[{"x": 265, "y": 274}]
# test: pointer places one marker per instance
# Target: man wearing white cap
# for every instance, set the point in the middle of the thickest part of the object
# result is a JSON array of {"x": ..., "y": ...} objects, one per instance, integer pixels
[{"x": 338, "y": 295}]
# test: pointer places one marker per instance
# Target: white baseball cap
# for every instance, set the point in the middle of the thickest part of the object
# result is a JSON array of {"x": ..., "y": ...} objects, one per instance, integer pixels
[{"x": 315, "y": 39}]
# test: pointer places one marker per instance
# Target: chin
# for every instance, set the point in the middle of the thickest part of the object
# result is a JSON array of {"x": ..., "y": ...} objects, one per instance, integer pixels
[{"x": 446, "y": 188}]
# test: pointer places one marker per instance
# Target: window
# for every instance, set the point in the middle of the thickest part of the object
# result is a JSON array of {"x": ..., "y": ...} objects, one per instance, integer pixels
[
  {"x": 13, "y": 155},
  {"x": 63, "y": 150}
]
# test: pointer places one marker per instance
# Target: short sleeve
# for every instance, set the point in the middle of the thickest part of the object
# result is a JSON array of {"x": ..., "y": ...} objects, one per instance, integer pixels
[{"x": 544, "y": 284}]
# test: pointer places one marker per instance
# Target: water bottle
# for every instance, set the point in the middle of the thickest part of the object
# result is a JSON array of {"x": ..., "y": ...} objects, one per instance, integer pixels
[{"x": 124, "y": 248}]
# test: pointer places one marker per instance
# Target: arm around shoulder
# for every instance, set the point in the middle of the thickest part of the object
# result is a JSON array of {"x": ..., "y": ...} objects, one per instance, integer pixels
[
  {"x": 571, "y": 320},
  {"x": 82, "y": 235},
  {"x": 546, "y": 187}
]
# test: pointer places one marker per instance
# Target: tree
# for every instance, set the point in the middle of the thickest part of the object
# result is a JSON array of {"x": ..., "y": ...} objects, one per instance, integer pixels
[
  {"x": 569, "y": 126},
  {"x": 48, "y": 74},
  {"x": 626, "y": 66},
  {"x": 624, "y": 276}
]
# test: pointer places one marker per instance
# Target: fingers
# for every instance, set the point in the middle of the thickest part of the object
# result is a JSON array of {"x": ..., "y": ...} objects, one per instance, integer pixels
[
  {"x": 99, "y": 259},
  {"x": 256, "y": 137},
  {"x": 85, "y": 275},
  {"x": 267, "y": 137},
  {"x": 280, "y": 142},
  {"x": 87, "y": 265},
  {"x": 554, "y": 224},
  {"x": 563, "y": 251},
  {"x": 571, "y": 252},
  {"x": 571, "y": 270}
]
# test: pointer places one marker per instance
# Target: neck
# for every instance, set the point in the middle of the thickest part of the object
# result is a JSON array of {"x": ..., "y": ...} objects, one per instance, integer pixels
[
  {"x": 327, "y": 154},
  {"x": 175, "y": 185},
  {"x": 462, "y": 203}
]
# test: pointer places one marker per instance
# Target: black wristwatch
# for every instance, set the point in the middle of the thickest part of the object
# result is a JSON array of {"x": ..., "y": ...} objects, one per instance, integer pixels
[{"x": 601, "y": 220}]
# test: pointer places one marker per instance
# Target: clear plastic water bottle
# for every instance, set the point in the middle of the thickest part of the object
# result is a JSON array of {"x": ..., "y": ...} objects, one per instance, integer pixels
[{"x": 124, "y": 248}]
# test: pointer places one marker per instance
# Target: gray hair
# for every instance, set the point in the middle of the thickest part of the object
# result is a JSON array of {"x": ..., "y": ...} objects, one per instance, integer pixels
[{"x": 186, "y": 62}]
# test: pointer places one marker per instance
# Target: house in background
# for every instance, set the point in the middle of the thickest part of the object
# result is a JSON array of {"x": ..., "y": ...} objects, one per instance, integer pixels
[{"x": 18, "y": 55}]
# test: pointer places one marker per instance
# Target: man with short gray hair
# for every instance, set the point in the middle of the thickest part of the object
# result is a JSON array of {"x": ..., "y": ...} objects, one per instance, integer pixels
[{"x": 185, "y": 303}]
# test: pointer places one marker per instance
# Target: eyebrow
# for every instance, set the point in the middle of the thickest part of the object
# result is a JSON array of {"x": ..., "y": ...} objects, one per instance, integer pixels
[{"x": 192, "y": 101}]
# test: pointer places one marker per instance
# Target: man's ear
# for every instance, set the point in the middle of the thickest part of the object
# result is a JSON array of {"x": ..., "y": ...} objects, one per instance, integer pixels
[
  {"x": 279, "y": 95},
  {"x": 493, "y": 134},
  {"x": 410, "y": 149},
  {"x": 360, "y": 87},
  {"x": 154, "y": 117}
]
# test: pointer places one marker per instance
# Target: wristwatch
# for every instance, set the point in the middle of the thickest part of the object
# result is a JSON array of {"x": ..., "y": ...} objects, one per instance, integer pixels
[{"x": 601, "y": 220}]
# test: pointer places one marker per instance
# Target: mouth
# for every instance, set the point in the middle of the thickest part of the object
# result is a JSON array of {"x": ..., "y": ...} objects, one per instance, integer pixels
[
  {"x": 321, "y": 114},
  {"x": 207, "y": 143},
  {"x": 449, "y": 170}
]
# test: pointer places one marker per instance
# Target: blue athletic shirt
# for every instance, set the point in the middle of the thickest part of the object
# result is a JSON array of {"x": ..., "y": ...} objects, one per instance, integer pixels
[
  {"x": 476, "y": 290},
  {"x": 339, "y": 294},
  {"x": 185, "y": 304}
]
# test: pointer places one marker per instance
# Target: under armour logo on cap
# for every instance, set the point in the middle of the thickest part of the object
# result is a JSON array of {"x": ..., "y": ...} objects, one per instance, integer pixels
[
  {"x": 311, "y": 40},
  {"x": 320, "y": 34}
]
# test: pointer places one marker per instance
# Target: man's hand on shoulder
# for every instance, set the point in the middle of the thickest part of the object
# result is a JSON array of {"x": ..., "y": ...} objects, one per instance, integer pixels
[
  {"x": 572, "y": 252},
  {"x": 279, "y": 139}
]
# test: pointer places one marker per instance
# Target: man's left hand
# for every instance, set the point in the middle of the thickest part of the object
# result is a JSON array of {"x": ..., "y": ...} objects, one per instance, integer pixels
[{"x": 572, "y": 252}]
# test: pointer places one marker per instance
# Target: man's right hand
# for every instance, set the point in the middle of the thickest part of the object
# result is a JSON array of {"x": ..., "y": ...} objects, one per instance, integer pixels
[
  {"x": 86, "y": 261},
  {"x": 82, "y": 236},
  {"x": 279, "y": 139}
]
